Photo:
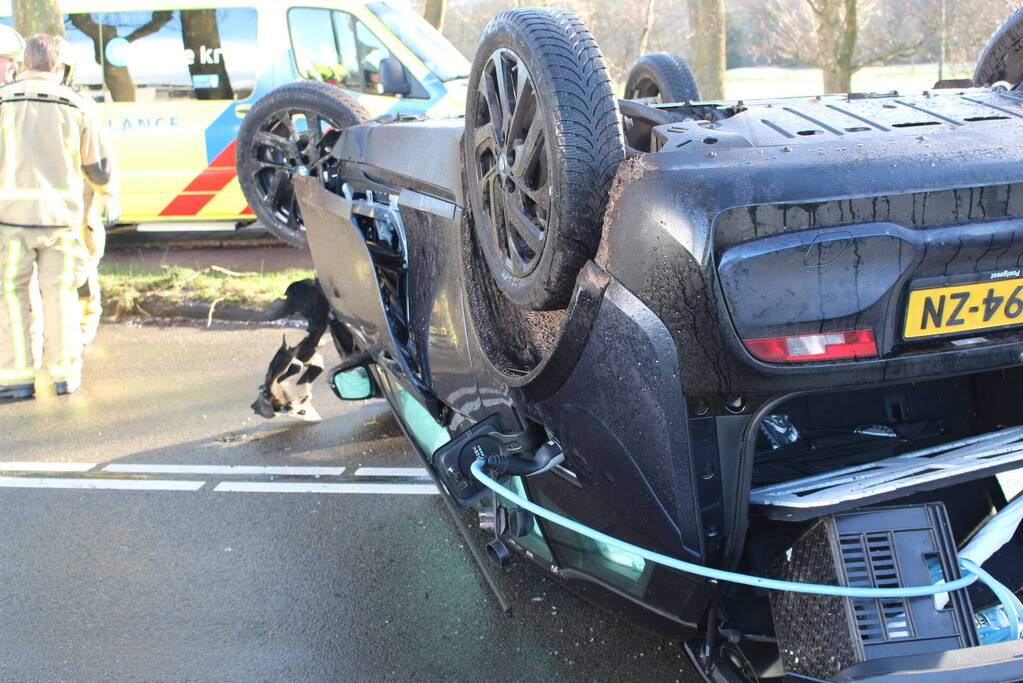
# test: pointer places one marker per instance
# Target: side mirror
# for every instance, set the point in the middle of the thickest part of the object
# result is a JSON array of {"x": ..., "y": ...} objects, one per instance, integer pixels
[
  {"x": 393, "y": 78},
  {"x": 352, "y": 385},
  {"x": 350, "y": 381}
]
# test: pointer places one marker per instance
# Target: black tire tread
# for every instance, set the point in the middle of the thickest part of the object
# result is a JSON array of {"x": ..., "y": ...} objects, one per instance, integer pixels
[
  {"x": 671, "y": 73},
  {"x": 1002, "y": 56},
  {"x": 589, "y": 139},
  {"x": 324, "y": 97}
]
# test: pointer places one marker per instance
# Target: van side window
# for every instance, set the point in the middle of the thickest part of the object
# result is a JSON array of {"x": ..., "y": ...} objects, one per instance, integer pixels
[
  {"x": 316, "y": 48},
  {"x": 88, "y": 73},
  {"x": 173, "y": 55},
  {"x": 346, "y": 48},
  {"x": 335, "y": 47}
]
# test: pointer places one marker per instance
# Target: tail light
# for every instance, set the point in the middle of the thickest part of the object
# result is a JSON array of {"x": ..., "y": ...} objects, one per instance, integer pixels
[{"x": 809, "y": 347}]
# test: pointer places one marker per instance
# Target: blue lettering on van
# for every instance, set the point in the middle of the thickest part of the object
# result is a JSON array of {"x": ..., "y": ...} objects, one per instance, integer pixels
[{"x": 142, "y": 122}]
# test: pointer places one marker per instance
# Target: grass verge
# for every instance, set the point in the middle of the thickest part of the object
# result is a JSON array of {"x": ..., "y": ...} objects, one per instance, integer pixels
[
  {"x": 768, "y": 82},
  {"x": 129, "y": 291}
]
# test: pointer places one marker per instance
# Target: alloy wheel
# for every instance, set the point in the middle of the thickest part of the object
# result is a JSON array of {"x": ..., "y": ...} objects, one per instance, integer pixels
[
  {"x": 291, "y": 142},
  {"x": 512, "y": 164}
]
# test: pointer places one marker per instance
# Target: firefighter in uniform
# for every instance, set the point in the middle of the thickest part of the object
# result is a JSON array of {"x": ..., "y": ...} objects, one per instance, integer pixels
[
  {"x": 50, "y": 146},
  {"x": 100, "y": 211}
]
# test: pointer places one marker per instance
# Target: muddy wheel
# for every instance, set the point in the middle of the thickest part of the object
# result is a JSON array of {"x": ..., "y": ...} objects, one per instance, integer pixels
[
  {"x": 661, "y": 77},
  {"x": 290, "y": 131},
  {"x": 1002, "y": 57},
  {"x": 543, "y": 139}
]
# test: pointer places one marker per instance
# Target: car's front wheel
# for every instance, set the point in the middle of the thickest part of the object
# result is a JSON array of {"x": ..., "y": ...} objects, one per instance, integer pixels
[
  {"x": 291, "y": 131},
  {"x": 543, "y": 139}
]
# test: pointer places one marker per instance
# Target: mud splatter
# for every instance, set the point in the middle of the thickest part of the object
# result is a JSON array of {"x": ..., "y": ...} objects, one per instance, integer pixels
[{"x": 628, "y": 172}]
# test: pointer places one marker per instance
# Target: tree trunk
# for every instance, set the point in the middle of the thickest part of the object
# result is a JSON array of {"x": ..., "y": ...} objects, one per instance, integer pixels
[
  {"x": 837, "y": 79},
  {"x": 837, "y": 32},
  {"x": 201, "y": 35},
  {"x": 117, "y": 78},
  {"x": 707, "y": 20},
  {"x": 847, "y": 46},
  {"x": 434, "y": 13},
  {"x": 38, "y": 16},
  {"x": 648, "y": 26}
]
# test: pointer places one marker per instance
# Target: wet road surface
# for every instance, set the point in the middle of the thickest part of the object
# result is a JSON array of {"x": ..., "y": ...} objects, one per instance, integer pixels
[{"x": 365, "y": 579}]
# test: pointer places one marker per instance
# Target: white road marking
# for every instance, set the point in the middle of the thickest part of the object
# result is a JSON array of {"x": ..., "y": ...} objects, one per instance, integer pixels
[
  {"x": 46, "y": 466},
  {"x": 297, "y": 487},
  {"x": 252, "y": 471},
  {"x": 120, "y": 484},
  {"x": 391, "y": 472},
  {"x": 225, "y": 469}
]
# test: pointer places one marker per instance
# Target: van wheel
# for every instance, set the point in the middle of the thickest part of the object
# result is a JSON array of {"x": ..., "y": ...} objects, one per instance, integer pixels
[
  {"x": 292, "y": 130},
  {"x": 543, "y": 139},
  {"x": 661, "y": 77},
  {"x": 1002, "y": 57}
]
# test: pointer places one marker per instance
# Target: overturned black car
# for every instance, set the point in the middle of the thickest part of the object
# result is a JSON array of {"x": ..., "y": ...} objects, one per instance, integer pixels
[{"x": 705, "y": 362}]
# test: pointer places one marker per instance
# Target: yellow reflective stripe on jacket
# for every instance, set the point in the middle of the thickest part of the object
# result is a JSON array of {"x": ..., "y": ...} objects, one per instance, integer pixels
[
  {"x": 9, "y": 376},
  {"x": 14, "y": 194},
  {"x": 14, "y": 306}
]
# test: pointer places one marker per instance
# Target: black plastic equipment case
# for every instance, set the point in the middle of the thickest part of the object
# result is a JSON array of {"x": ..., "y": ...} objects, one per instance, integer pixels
[{"x": 886, "y": 547}]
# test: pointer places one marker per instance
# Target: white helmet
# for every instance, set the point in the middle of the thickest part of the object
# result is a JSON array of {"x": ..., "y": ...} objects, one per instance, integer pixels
[{"x": 11, "y": 42}]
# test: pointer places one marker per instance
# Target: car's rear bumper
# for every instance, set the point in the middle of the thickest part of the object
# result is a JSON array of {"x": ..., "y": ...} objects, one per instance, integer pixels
[{"x": 665, "y": 241}]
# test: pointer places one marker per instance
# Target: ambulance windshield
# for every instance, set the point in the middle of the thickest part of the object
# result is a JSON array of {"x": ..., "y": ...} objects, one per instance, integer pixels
[{"x": 439, "y": 55}]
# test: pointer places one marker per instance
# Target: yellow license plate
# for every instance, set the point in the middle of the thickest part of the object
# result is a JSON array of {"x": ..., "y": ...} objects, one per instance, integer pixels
[{"x": 964, "y": 308}]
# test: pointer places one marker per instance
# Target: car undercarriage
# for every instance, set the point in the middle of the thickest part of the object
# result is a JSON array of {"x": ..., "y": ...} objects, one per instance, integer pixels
[{"x": 773, "y": 339}]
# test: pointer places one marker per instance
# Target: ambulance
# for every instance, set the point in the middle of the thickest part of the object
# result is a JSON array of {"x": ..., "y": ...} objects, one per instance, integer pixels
[{"x": 175, "y": 80}]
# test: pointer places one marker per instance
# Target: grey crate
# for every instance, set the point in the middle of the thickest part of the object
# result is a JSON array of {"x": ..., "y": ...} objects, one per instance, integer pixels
[{"x": 884, "y": 548}]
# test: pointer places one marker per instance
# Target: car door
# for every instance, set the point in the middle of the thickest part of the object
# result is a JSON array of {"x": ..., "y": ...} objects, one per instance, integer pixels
[{"x": 172, "y": 82}]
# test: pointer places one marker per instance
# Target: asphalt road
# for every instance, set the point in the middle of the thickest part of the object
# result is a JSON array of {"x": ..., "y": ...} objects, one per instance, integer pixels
[{"x": 190, "y": 570}]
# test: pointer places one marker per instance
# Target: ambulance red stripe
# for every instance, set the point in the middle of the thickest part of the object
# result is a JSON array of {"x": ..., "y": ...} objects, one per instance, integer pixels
[
  {"x": 211, "y": 180},
  {"x": 187, "y": 204}
]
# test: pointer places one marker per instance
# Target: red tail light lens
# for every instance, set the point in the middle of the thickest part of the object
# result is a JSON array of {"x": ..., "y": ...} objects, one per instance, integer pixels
[{"x": 805, "y": 347}]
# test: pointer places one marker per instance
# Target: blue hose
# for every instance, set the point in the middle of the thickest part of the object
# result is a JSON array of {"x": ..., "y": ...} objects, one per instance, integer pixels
[
  {"x": 1013, "y": 607},
  {"x": 971, "y": 574}
]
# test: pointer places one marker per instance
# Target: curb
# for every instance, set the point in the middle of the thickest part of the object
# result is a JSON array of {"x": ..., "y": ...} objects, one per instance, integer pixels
[{"x": 155, "y": 307}]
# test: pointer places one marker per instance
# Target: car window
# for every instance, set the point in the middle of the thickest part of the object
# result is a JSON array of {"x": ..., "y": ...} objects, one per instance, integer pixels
[
  {"x": 371, "y": 53},
  {"x": 335, "y": 47},
  {"x": 170, "y": 55},
  {"x": 347, "y": 50},
  {"x": 314, "y": 45},
  {"x": 426, "y": 42}
]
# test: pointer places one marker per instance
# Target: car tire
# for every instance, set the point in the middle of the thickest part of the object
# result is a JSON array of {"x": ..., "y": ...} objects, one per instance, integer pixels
[
  {"x": 275, "y": 142},
  {"x": 1002, "y": 57},
  {"x": 661, "y": 77},
  {"x": 540, "y": 150}
]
